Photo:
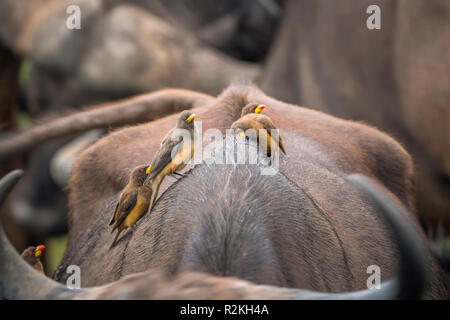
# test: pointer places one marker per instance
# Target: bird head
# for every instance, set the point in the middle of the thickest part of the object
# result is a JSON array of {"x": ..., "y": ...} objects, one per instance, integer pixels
[
  {"x": 259, "y": 108},
  {"x": 252, "y": 108},
  {"x": 38, "y": 250},
  {"x": 32, "y": 254},
  {"x": 186, "y": 119},
  {"x": 190, "y": 118},
  {"x": 238, "y": 133},
  {"x": 139, "y": 174}
]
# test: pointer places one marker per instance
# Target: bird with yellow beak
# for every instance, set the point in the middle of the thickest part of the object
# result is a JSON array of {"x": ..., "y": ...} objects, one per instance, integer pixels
[
  {"x": 175, "y": 151},
  {"x": 32, "y": 255},
  {"x": 133, "y": 201},
  {"x": 251, "y": 118},
  {"x": 252, "y": 108}
]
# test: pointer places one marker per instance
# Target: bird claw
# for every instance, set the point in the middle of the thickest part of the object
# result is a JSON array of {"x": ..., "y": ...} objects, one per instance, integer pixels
[{"x": 178, "y": 174}]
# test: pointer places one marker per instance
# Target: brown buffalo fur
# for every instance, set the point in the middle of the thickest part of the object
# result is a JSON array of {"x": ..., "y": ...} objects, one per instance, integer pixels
[{"x": 305, "y": 227}]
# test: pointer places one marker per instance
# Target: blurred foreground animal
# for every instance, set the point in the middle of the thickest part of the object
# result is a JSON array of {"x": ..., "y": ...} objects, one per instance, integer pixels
[
  {"x": 32, "y": 255},
  {"x": 133, "y": 201},
  {"x": 306, "y": 226}
]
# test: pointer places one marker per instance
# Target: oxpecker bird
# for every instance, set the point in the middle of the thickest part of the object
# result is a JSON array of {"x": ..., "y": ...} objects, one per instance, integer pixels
[
  {"x": 32, "y": 255},
  {"x": 175, "y": 151},
  {"x": 133, "y": 201},
  {"x": 251, "y": 118}
]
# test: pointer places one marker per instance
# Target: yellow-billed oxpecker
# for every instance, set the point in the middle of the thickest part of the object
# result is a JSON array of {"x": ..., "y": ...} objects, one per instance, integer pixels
[
  {"x": 133, "y": 201},
  {"x": 251, "y": 118},
  {"x": 175, "y": 151},
  {"x": 32, "y": 255}
]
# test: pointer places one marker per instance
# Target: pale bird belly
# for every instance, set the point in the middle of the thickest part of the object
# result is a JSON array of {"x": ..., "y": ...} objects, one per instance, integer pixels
[{"x": 182, "y": 158}]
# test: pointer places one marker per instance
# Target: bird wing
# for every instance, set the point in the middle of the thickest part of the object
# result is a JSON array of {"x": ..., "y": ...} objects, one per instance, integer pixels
[
  {"x": 266, "y": 122},
  {"x": 113, "y": 218},
  {"x": 247, "y": 122},
  {"x": 166, "y": 139},
  {"x": 124, "y": 206},
  {"x": 268, "y": 125},
  {"x": 164, "y": 155}
]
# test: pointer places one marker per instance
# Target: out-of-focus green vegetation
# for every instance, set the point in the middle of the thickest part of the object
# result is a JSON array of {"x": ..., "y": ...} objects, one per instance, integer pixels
[
  {"x": 55, "y": 248},
  {"x": 23, "y": 120},
  {"x": 24, "y": 71}
]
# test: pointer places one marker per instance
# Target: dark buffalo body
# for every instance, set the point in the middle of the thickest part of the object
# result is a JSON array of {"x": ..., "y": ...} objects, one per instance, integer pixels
[{"x": 305, "y": 227}]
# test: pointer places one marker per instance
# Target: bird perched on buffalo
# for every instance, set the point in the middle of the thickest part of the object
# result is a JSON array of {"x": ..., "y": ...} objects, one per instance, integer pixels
[
  {"x": 133, "y": 201},
  {"x": 32, "y": 255},
  {"x": 251, "y": 118},
  {"x": 175, "y": 151}
]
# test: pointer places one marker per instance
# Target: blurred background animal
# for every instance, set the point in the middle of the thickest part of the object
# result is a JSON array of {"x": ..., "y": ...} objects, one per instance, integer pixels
[{"x": 396, "y": 78}]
